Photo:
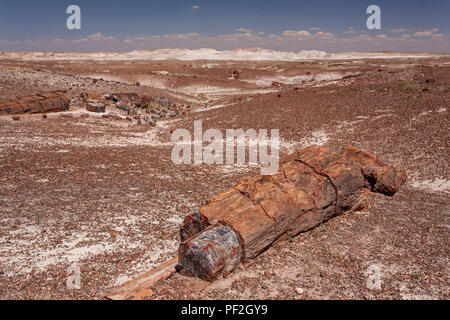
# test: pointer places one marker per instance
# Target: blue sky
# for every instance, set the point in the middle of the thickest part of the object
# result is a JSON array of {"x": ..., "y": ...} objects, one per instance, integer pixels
[{"x": 292, "y": 25}]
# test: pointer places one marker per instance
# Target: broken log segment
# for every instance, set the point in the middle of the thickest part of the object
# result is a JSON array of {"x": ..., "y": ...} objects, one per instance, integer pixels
[
  {"x": 90, "y": 96},
  {"x": 312, "y": 186},
  {"x": 217, "y": 250},
  {"x": 39, "y": 103},
  {"x": 96, "y": 106}
]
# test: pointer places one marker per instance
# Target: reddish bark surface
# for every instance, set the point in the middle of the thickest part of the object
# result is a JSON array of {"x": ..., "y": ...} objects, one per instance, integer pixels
[{"x": 38, "y": 103}]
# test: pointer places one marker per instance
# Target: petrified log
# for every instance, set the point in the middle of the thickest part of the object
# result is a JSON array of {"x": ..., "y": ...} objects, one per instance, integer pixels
[
  {"x": 126, "y": 98},
  {"x": 38, "y": 103},
  {"x": 311, "y": 186},
  {"x": 90, "y": 96},
  {"x": 132, "y": 99},
  {"x": 96, "y": 107}
]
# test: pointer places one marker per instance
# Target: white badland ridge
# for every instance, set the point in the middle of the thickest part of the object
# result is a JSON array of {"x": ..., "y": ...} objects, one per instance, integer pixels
[{"x": 254, "y": 54}]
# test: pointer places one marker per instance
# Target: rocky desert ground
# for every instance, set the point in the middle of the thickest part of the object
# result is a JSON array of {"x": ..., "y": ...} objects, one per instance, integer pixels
[{"x": 99, "y": 189}]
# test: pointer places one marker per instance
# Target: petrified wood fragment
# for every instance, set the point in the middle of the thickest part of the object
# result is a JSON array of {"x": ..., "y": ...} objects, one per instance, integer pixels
[
  {"x": 311, "y": 186},
  {"x": 96, "y": 107},
  {"x": 38, "y": 103},
  {"x": 90, "y": 96},
  {"x": 215, "y": 250}
]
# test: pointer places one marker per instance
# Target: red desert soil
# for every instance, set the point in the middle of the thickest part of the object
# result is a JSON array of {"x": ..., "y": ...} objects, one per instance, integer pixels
[{"x": 104, "y": 194}]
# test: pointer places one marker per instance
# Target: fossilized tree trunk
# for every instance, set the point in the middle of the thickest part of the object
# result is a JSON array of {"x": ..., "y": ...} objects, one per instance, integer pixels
[
  {"x": 38, "y": 103},
  {"x": 312, "y": 186}
]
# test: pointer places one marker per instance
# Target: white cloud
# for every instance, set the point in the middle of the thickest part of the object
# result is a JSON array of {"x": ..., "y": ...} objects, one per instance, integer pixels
[
  {"x": 399, "y": 30},
  {"x": 303, "y": 33},
  {"x": 195, "y": 7},
  {"x": 363, "y": 37},
  {"x": 350, "y": 31},
  {"x": 324, "y": 35},
  {"x": 96, "y": 37},
  {"x": 423, "y": 33},
  {"x": 290, "y": 40},
  {"x": 182, "y": 36},
  {"x": 246, "y": 38},
  {"x": 244, "y": 30},
  {"x": 426, "y": 33},
  {"x": 293, "y": 33}
]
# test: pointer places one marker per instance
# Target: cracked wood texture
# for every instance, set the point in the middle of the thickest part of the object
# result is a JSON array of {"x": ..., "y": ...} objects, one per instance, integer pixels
[
  {"x": 39, "y": 103},
  {"x": 311, "y": 186}
]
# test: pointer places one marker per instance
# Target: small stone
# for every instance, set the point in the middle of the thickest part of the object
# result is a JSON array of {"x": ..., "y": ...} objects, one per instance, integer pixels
[
  {"x": 123, "y": 107},
  {"x": 164, "y": 102},
  {"x": 141, "y": 121},
  {"x": 16, "y": 118},
  {"x": 299, "y": 290}
]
